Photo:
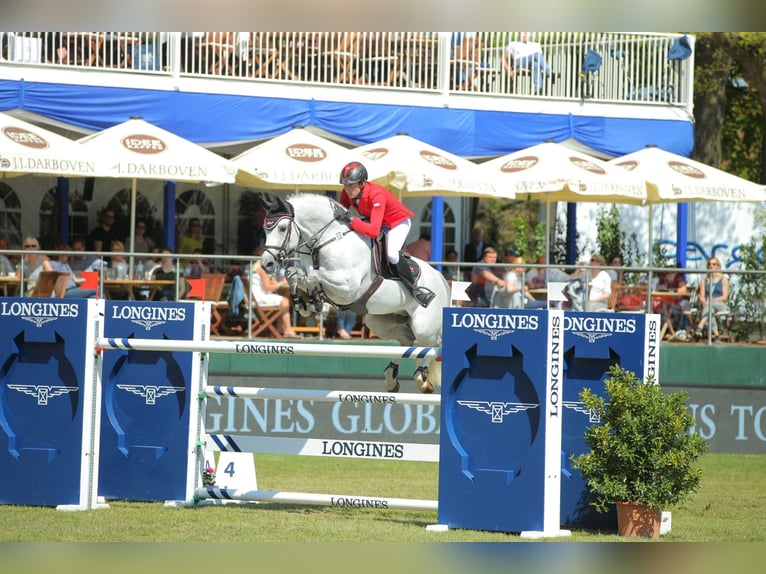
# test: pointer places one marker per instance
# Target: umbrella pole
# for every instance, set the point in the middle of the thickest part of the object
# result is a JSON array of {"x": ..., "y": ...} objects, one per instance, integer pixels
[
  {"x": 651, "y": 261},
  {"x": 132, "y": 225}
]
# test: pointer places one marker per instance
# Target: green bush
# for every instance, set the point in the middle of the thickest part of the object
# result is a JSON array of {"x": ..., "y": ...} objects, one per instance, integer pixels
[{"x": 644, "y": 451}]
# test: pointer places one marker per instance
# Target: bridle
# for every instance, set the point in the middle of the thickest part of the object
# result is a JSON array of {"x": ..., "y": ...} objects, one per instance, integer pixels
[{"x": 312, "y": 246}]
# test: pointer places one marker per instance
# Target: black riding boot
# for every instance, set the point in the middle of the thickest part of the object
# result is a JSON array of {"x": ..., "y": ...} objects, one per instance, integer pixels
[{"x": 409, "y": 272}]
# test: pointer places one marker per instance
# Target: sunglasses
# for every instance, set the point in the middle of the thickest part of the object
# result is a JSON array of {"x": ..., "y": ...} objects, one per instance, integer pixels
[{"x": 30, "y": 246}]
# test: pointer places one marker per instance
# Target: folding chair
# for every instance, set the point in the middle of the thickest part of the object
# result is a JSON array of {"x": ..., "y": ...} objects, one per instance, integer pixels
[
  {"x": 264, "y": 319},
  {"x": 51, "y": 284}
]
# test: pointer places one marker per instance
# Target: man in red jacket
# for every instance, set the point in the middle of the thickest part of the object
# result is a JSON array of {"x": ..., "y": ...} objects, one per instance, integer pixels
[{"x": 384, "y": 212}]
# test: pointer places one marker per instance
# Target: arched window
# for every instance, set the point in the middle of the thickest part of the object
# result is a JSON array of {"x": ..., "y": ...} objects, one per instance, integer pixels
[
  {"x": 50, "y": 232},
  {"x": 448, "y": 225},
  {"x": 10, "y": 216}
]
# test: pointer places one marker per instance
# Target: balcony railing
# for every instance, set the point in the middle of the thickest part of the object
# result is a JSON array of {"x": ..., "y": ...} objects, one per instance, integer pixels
[{"x": 626, "y": 68}]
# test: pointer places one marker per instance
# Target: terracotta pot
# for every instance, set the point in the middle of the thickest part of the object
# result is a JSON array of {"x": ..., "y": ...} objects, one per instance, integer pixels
[{"x": 637, "y": 520}]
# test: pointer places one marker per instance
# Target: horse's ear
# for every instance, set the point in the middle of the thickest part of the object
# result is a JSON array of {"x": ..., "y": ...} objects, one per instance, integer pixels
[{"x": 279, "y": 208}]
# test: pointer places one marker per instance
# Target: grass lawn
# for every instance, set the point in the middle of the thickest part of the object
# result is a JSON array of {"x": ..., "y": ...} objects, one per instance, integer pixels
[{"x": 729, "y": 507}]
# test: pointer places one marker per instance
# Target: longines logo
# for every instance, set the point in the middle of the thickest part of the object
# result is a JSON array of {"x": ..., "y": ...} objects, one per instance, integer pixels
[
  {"x": 497, "y": 410},
  {"x": 594, "y": 328},
  {"x": 494, "y": 325},
  {"x": 43, "y": 393},
  {"x": 38, "y": 313},
  {"x": 148, "y": 316},
  {"x": 580, "y": 408},
  {"x": 150, "y": 393}
]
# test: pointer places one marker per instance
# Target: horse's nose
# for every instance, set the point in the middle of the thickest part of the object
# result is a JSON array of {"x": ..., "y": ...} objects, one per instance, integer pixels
[{"x": 268, "y": 265}]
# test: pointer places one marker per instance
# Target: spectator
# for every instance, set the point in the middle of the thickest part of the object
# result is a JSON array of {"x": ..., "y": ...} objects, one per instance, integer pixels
[
  {"x": 6, "y": 266},
  {"x": 192, "y": 239},
  {"x": 600, "y": 285},
  {"x": 75, "y": 278},
  {"x": 79, "y": 262},
  {"x": 515, "y": 294},
  {"x": 100, "y": 238},
  {"x": 256, "y": 234},
  {"x": 483, "y": 280},
  {"x": 34, "y": 263},
  {"x": 118, "y": 266},
  {"x": 142, "y": 242},
  {"x": 346, "y": 322},
  {"x": 616, "y": 274},
  {"x": 263, "y": 289},
  {"x": 676, "y": 308},
  {"x": 421, "y": 247},
  {"x": 196, "y": 266},
  {"x": 713, "y": 291},
  {"x": 165, "y": 271},
  {"x": 509, "y": 254},
  {"x": 525, "y": 55},
  {"x": 451, "y": 272},
  {"x": 474, "y": 250}
]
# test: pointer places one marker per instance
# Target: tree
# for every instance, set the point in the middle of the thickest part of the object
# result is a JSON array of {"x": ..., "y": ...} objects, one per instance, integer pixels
[{"x": 747, "y": 50}]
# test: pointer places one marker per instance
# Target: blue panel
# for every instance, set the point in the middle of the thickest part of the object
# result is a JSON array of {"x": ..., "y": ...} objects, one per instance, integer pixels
[
  {"x": 593, "y": 342},
  {"x": 146, "y": 402},
  {"x": 491, "y": 457},
  {"x": 42, "y": 363},
  {"x": 224, "y": 117}
]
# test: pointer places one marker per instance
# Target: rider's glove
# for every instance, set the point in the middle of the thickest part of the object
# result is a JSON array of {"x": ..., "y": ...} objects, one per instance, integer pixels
[{"x": 345, "y": 217}]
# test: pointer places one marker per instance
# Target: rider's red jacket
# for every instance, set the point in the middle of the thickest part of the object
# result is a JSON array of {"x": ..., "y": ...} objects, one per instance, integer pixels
[{"x": 379, "y": 205}]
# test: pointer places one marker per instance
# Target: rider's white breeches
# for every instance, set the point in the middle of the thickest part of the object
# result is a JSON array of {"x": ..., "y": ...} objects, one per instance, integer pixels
[{"x": 396, "y": 238}]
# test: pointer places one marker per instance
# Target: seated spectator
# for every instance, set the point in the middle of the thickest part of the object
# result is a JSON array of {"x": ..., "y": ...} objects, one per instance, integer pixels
[
  {"x": 75, "y": 277},
  {"x": 196, "y": 266},
  {"x": 616, "y": 274},
  {"x": 263, "y": 289},
  {"x": 713, "y": 291},
  {"x": 141, "y": 243},
  {"x": 79, "y": 262},
  {"x": 346, "y": 322},
  {"x": 450, "y": 272},
  {"x": 600, "y": 285},
  {"x": 526, "y": 55},
  {"x": 483, "y": 280},
  {"x": 421, "y": 247},
  {"x": 118, "y": 265},
  {"x": 34, "y": 263},
  {"x": 515, "y": 294},
  {"x": 192, "y": 239},
  {"x": 165, "y": 271},
  {"x": 673, "y": 282}
]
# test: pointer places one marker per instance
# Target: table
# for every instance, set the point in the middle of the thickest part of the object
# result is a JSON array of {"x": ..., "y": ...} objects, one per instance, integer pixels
[
  {"x": 539, "y": 294},
  {"x": 9, "y": 286},
  {"x": 666, "y": 300},
  {"x": 113, "y": 287}
]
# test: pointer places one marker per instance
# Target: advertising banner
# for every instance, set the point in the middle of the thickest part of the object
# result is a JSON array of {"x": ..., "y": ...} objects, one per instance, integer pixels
[
  {"x": 149, "y": 399},
  {"x": 47, "y": 402}
]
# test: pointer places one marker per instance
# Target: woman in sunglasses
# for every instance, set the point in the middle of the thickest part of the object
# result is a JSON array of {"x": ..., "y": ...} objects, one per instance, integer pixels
[{"x": 716, "y": 284}]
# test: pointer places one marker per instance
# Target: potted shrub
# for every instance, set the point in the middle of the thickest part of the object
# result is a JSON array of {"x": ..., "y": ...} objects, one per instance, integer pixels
[{"x": 643, "y": 453}]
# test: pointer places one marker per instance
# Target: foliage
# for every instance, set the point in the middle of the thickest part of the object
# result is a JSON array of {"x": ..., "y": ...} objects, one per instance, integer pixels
[
  {"x": 520, "y": 243},
  {"x": 645, "y": 449},
  {"x": 612, "y": 241},
  {"x": 748, "y": 298},
  {"x": 513, "y": 223}
]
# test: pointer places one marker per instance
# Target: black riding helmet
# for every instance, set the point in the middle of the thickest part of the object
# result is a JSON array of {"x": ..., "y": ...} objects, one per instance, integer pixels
[{"x": 353, "y": 172}]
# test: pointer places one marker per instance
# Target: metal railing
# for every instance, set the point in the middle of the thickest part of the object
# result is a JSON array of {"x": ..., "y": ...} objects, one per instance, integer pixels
[{"x": 632, "y": 68}]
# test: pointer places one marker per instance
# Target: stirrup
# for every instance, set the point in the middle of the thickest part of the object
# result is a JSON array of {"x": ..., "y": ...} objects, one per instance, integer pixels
[{"x": 423, "y": 296}]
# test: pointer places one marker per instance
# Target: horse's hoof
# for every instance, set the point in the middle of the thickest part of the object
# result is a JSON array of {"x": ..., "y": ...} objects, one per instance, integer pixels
[
  {"x": 421, "y": 380},
  {"x": 391, "y": 373}
]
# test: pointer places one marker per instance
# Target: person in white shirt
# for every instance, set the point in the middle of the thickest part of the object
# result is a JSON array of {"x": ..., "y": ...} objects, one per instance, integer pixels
[
  {"x": 526, "y": 55},
  {"x": 600, "y": 285}
]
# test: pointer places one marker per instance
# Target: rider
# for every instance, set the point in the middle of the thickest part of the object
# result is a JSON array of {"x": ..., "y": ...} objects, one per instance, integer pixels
[{"x": 384, "y": 212}]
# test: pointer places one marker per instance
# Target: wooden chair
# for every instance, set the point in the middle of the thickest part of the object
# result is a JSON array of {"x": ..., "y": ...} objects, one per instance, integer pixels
[
  {"x": 214, "y": 283},
  {"x": 51, "y": 284}
]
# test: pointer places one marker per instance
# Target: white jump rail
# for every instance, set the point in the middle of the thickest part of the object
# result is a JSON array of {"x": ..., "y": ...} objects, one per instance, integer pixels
[
  {"x": 270, "y": 348},
  {"x": 214, "y": 494}
]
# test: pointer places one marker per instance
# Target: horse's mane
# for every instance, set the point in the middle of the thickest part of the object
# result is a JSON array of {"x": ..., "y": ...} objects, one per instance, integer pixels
[{"x": 314, "y": 200}]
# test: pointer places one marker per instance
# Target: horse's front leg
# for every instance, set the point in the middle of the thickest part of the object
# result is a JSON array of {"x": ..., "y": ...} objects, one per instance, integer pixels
[
  {"x": 421, "y": 376},
  {"x": 391, "y": 374},
  {"x": 297, "y": 281}
]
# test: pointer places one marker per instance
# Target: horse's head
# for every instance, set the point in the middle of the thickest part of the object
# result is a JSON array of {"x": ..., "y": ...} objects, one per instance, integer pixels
[{"x": 282, "y": 237}]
